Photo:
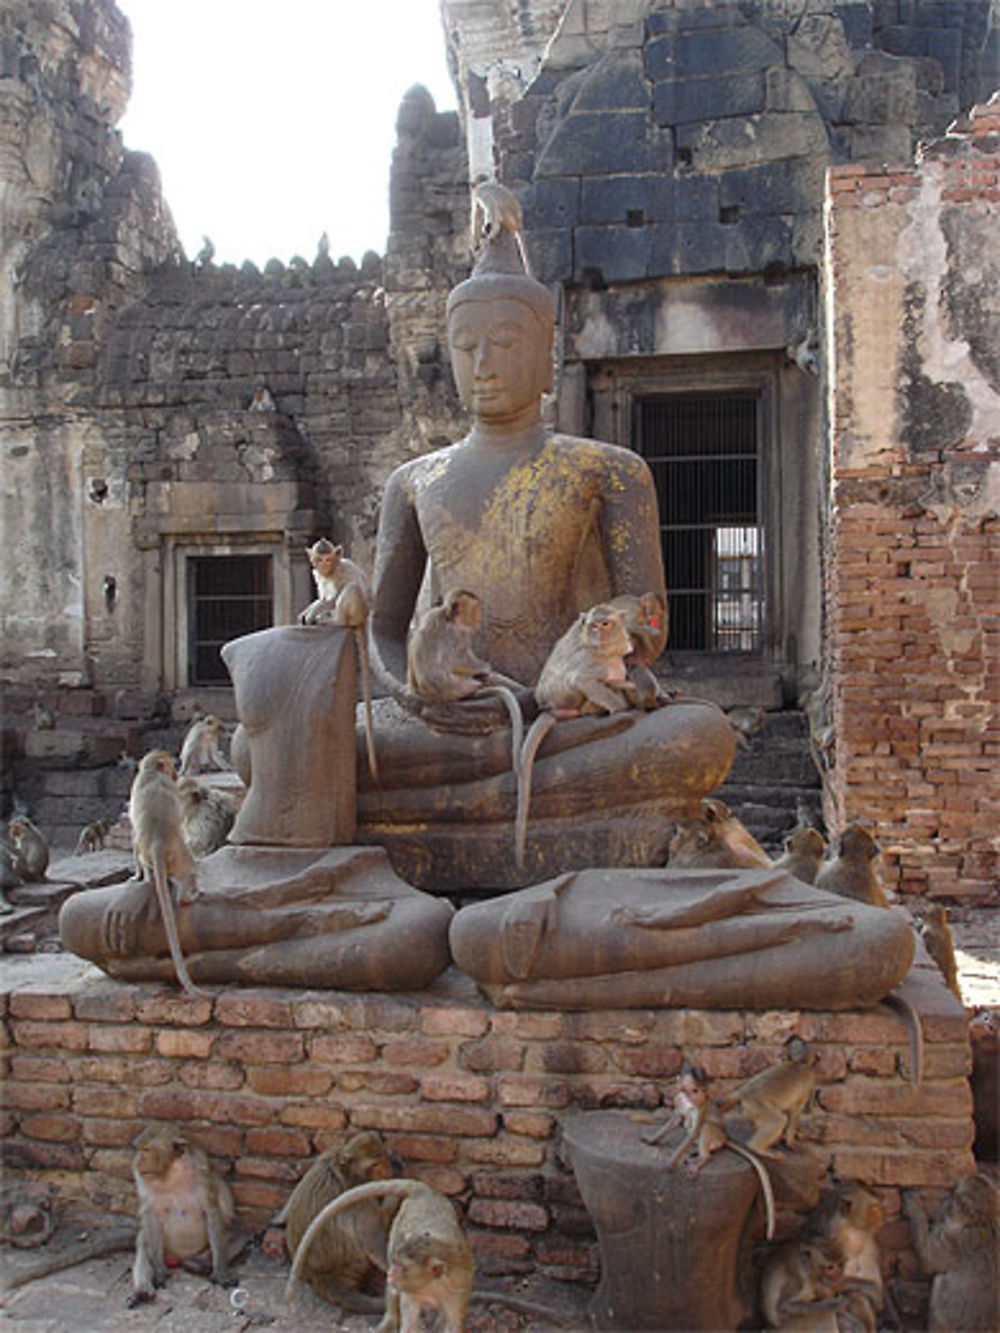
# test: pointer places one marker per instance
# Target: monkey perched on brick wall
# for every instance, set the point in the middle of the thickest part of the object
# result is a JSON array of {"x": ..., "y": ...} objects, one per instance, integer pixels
[
  {"x": 939, "y": 943},
  {"x": 962, "y": 1251}
]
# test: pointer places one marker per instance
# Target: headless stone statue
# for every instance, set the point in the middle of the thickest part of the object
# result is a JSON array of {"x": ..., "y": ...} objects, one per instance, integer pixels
[{"x": 288, "y": 902}]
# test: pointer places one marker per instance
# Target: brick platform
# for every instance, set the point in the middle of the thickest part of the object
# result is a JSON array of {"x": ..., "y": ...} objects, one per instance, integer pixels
[{"x": 471, "y": 1098}]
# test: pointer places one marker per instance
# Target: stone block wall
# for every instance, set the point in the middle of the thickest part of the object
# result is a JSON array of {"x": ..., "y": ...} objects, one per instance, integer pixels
[
  {"x": 471, "y": 1098},
  {"x": 913, "y": 294}
]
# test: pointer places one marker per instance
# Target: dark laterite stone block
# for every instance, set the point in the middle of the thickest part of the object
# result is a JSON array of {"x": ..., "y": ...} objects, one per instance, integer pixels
[
  {"x": 552, "y": 203},
  {"x": 616, "y": 83},
  {"x": 590, "y": 143},
  {"x": 619, "y": 254},
  {"x": 720, "y": 50},
  {"x": 683, "y": 101}
]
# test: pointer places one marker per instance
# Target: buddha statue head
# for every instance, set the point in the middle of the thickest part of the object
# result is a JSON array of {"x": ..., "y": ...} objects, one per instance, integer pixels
[{"x": 501, "y": 322}]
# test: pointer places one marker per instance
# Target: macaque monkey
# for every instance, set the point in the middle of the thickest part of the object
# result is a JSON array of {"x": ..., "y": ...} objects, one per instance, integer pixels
[
  {"x": 775, "y": 1099},
  {"x": 338, "y": 1265},
  {"x": 799, "y": 1287},
  {"x": 31, "y": 851},
  {"x": 984, "y": 1035},
  {"x": 443, "y": 667},
  {"x": 161, "y": 853},
  {"x": 849, "y": 1220},
  {"x": 184, "y": 1211},
  {"x": 645, "y": 624},
  {"x": 201, "y": 746},
  {"x": 344, "y": 598},
  {"x": 92, "y": 836},
  {"x": 584, "y": 673},
  {"x": 715, "y": 840},
  {"x": 745, "y": 722},
  {"x": 427, "y": 1260},
  {"x": 496, "y": 209},
  {"x": 206, "y": 816},
  {"x": 704, "y": 1130},
  {"x": 962, "y": 1251},
  {"x": 804, "y": 849},
  {"x": 851, "y": 873},
  {"x": 937, "y": 937}
]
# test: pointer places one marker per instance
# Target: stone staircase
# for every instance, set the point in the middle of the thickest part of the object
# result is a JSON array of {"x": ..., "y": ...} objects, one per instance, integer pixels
[{"x": 773, "y": 778}]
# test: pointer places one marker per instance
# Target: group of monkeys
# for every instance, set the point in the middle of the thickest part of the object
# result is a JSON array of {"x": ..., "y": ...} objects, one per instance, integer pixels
[{"x": 351, "y": 1219}]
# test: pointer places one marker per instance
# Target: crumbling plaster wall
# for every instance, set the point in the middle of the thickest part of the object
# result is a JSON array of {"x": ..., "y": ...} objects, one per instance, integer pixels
[{"x": 913, "y": 305}]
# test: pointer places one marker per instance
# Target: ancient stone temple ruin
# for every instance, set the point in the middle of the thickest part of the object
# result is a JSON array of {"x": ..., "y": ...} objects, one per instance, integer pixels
[{"x": 760, "y": 241}]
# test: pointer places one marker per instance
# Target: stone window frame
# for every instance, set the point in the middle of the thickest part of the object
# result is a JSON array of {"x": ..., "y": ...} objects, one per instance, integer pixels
[
  {"x": 615, "y": 385},
  {"x": 177, "y": 550}
]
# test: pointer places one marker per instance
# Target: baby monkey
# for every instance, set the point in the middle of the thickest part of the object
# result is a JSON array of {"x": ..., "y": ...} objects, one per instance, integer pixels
[
  {"x": 704, "y": 1131},
  {"x": 800, "y": 1285},
  {"x": 184, "y": 1211},
  {"x": 92, "y": 836},
  {"x": 646, "y": 626}
]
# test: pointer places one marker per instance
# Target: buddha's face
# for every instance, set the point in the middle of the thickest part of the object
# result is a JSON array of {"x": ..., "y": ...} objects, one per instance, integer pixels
[{"x": 501, "y": 356}]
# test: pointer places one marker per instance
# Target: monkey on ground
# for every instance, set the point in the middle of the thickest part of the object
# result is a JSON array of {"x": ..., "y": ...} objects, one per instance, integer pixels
[
  {"x": 201, "y": 746},
  {"x": 92, "y": 836},
  {"x": 584, "y": 673},
  {"x": 849, "y": 1219},
  {"x": 338, "y": 1264},
  {"x": 939, "y": 943},
  {"x": 426, "y": 1259},
  {"x": 443, "y": 667},
  {"x": 30, "y": 850},
  {"x": 851, "y": 872},
  {"x": 775, "y": 1100},
  {"x": 704, "y": 1129},
  {"x": 715, "y": 840},
  {"x": 799, "y": 1287},
  {"x": 645, "y": 622},
  {"x": 206, "y": 816},
  {"x": 185, "y": 1210},
  {"x": 345, "y": 599},
  {"x": 161, "y": 853},
  {"x": 962, "y": 1251},
  {"x": 803, "y": 854}
]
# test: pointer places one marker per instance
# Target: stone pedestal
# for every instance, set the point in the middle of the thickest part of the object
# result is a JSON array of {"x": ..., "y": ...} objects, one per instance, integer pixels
[{"x": 675, "y": 1250}]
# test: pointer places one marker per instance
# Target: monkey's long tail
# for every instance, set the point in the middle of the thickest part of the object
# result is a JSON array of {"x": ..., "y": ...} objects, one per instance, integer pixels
[
  {"x": 537, "y": 732},
  {"x": 374, "y": 1189},
  {"x": 97, "y": 1247},
  {"x": 162, "y": 885},
  {"x": 516, "y": 719},
  {"x": 916, "y": 1033},
  {"x": 366, "y": 690},
  {"x": 765, "y": 1182}
]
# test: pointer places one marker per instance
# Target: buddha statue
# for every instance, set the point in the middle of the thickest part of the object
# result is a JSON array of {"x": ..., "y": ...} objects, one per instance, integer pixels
[{"x": 540, "y": 526}]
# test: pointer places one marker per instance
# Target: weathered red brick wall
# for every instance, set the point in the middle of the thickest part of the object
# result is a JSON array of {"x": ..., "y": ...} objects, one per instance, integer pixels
[
  {"x": 913, "y": 272},
  {"x": 471, "y": 1098}
]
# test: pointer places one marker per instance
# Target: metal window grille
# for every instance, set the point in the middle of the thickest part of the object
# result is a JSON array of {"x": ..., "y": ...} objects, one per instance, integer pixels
[
  {"x": 704, "y": 454},
  {"x": 228, "y": 596}
]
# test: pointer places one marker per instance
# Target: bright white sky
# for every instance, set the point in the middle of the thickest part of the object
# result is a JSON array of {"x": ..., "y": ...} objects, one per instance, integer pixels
[{"x": 273, "y": 121}]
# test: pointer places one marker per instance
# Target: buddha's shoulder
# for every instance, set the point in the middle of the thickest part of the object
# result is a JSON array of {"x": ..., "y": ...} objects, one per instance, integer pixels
[
  {"x": 425, "y": 467},
  {"x": 597, "y": 453}
]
